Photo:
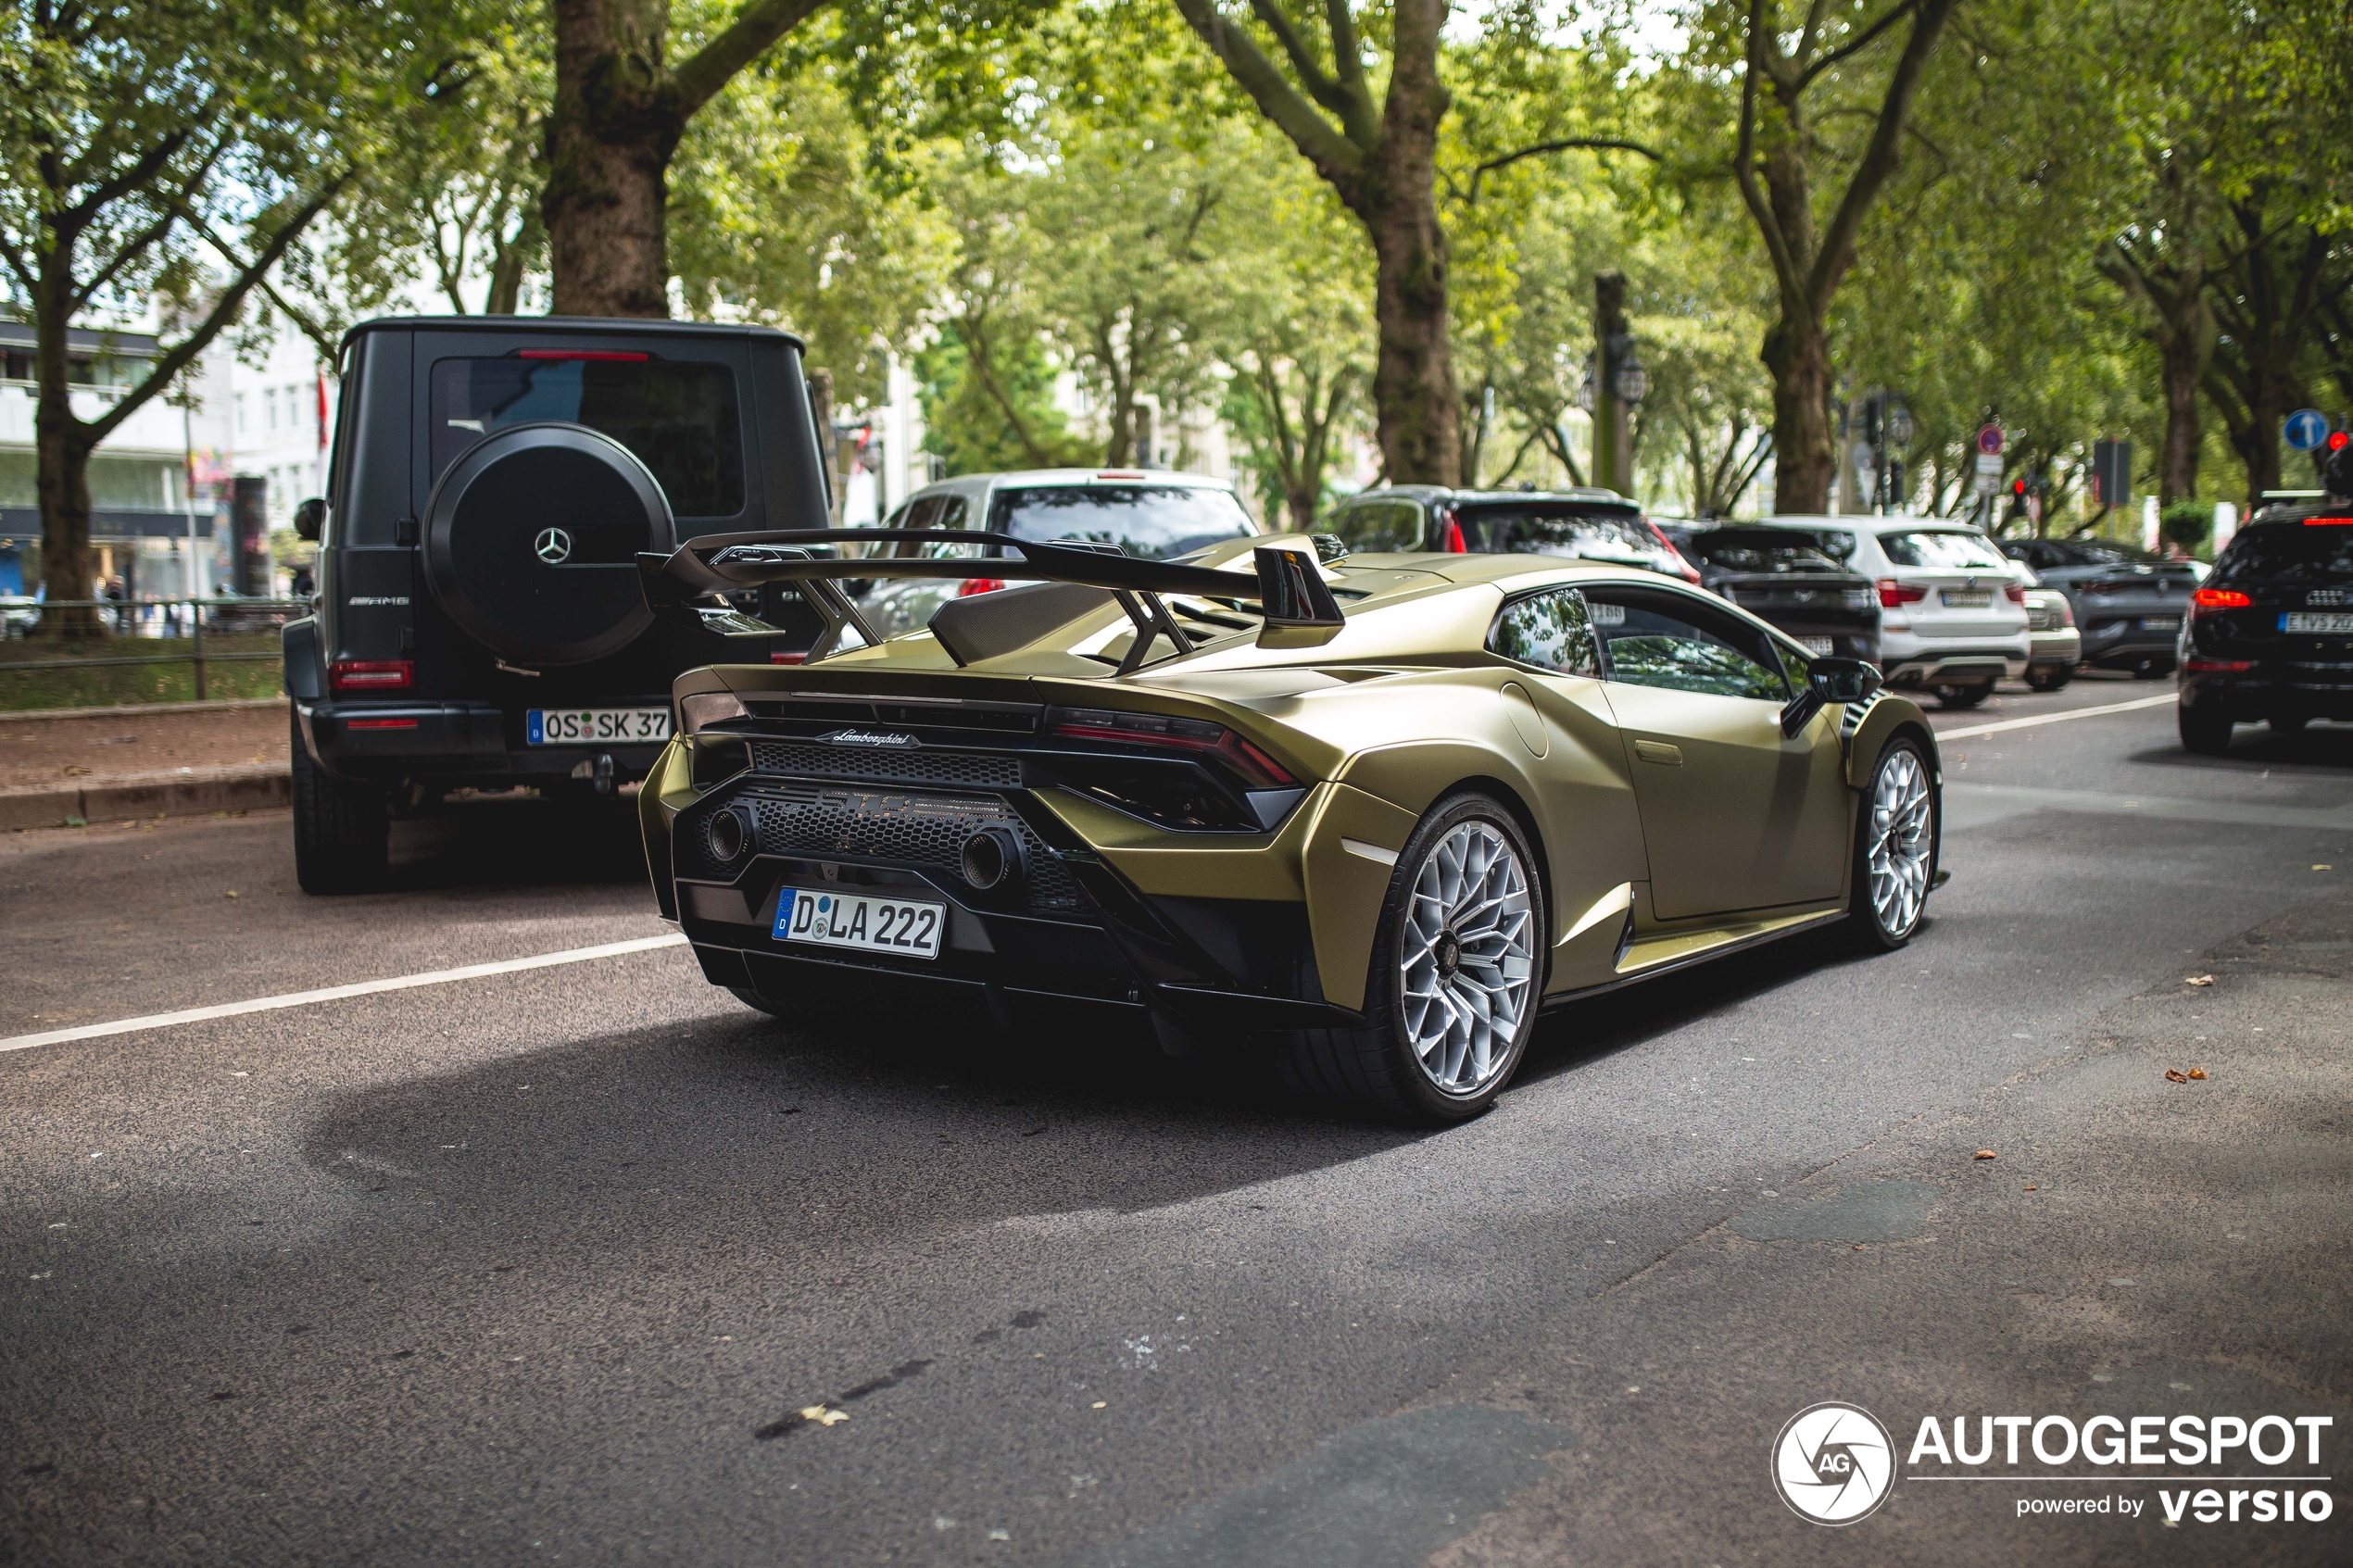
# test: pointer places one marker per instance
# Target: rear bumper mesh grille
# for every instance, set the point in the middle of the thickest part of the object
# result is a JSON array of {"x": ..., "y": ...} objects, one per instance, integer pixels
[
  {"x": 921, "y": 830},
  {"x": 897, "y": 764}
]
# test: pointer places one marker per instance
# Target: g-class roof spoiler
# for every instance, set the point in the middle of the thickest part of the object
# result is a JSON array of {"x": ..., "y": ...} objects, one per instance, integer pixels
[{"x": 1289, "y": 590}]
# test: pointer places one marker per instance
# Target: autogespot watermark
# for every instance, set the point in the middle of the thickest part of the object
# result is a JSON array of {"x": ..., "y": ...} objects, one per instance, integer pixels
[{"x": 1833, "y": 1464}]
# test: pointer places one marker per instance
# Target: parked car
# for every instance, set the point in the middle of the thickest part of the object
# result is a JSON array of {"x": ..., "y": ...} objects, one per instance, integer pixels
[
  {"x": 1596, "y": 525},
  {"x": 479, "y": 621},
  {"x": 1149, "y": 513},
  {"x": 1782, "y": 576},
  {"x": 2270, "y": 638},
  {"x": 19, "y": 613},
  {"x": 2128, "y": 602},
  {"x": 1952, "y": 611},
  {"x": 2055, "y": 647}
]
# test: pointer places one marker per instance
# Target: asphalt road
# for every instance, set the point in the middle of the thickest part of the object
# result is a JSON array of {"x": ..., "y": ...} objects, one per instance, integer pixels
[{"x": 583, "y": 1264}]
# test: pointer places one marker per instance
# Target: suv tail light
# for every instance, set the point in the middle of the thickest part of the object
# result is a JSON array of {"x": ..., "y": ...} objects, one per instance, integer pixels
[
  {"x": 1450, "y": 533},
  {"x": 2206, "y": 601},
  {"x": 1893, "y": 595},
  {"x": 2015, "y": 593},
  {"x": 972, "y": 586},
  {"x": 2327, "y": 521},
  {"x": 372, "y": 674}
]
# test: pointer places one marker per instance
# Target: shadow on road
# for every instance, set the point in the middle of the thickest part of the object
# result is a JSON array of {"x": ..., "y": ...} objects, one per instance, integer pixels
[
  {"x": 2318, "y": 749},
  {"x": 505, "y": 842}
]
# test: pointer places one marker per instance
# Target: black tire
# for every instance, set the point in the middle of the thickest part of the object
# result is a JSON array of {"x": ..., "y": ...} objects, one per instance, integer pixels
[
  {"x": 1375, "y": 1067},
  {"x": 1964, "y": 696},
  {"x": 2204, "y": 731},
  {"x": 1866, "y": 924},
  {"x": 341, "y": 828},
  {"x": 2049, "y": 678},
  {"x": 2152, "y": 668},
  {"x": 2289, "y": 723}
]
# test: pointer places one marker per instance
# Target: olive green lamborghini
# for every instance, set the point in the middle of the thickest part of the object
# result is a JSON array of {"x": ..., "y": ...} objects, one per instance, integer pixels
[{"x": 1370, "y": 813}]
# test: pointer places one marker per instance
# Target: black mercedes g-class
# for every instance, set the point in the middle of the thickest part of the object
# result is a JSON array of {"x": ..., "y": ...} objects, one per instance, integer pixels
[{"x": 478, "y": 622}]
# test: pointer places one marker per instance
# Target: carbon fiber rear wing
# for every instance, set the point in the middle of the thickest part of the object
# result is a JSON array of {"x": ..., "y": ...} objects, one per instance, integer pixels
[{"x": 1288, "y": 591}]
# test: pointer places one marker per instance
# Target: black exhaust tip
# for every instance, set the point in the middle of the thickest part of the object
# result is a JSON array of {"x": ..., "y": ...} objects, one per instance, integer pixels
[{"x": 994, "y": 861}]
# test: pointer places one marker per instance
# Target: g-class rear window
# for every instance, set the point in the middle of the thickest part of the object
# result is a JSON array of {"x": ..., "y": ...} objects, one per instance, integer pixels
[{"x": 679, "y": 416}]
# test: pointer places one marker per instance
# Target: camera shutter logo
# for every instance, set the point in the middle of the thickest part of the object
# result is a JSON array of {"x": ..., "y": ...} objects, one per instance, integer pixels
[
  {"x": 553, "y": 546},
  {"x": 1833, "y": 1464}
]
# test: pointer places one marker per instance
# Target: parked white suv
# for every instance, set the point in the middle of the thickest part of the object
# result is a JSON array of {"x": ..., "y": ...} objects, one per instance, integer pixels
[{"x": 1952, "y": 610}]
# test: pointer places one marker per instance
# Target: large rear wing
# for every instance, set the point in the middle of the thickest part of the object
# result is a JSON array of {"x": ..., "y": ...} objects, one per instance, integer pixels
[{"x": 1288, "y": 589}]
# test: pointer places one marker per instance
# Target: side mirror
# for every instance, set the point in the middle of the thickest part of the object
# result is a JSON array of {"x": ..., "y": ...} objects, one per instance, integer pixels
[
  {"x": 311, "y": 518},
  {"x": 1828, "y": 681}
]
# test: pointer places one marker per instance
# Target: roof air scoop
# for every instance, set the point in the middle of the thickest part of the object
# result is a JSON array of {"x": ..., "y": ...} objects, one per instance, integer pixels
[{"x": 1298, "y": 604}]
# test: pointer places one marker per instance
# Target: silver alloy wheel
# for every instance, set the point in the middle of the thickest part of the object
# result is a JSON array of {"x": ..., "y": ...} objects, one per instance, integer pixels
[
  {"x": 1901, "y": 847},
  {"x": 1469, "y": 957}
]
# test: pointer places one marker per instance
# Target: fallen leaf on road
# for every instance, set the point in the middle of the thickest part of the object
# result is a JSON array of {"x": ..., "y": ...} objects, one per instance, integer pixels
[
  {"x": 2198, "y": 980},
  {"x": 822, "y": 1416},
  {"x": 231, "y": 894},
  {"x": 2324, "y": 868},
  {"x": 2198, "y": 1072},
  {"x": 1983, "y": 1154},
  {"x": 2175, "y": 1075},
  {"x": 2034, "y": 1189}
]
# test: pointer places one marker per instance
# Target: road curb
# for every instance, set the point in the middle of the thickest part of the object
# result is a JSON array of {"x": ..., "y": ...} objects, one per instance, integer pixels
[
  {"x": 140, "y": 709},
  {"x": 182, "y": 791}
]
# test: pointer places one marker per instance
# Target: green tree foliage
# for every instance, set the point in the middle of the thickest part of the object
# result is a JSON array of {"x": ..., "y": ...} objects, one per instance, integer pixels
[{"x": 167, "y": 155}]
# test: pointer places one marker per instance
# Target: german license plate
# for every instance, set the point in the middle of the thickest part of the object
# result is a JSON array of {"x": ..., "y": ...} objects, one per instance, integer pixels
[
  {"x": 2337, "y": 625},
  {"x": 596, "y": 726},
  {"x": 1821, "y": 647},
  {"x": 2160, "y": 623},
  {"x": 852, "y": 920},
  {"x": 1969, "y": 598}
]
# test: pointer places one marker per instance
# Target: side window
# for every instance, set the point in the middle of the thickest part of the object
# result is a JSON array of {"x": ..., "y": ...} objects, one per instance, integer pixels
[
  {"x": 1662, "y": 639},
  {"x": 951, "y": 513},
  {"x": 1549, "y": 630},
  {"x": 923, "y": 514}
]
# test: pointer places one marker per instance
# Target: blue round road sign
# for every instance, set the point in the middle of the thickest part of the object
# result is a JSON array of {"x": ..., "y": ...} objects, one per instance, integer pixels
[{"x": 2307, "y": 429}]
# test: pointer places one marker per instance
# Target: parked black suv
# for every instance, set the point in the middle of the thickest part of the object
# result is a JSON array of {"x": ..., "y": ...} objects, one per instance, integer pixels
[
  {"x": 2271, "y": 632},
  {"x": 2128, "y": 602},
  {"x": 478, "y": 621},
  {"x": 1587, "y": 524},
  {"x": 1785, "y": 576}
]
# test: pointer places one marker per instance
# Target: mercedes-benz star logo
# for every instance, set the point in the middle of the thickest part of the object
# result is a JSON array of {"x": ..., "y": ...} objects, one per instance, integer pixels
[
  {"x": 553, "y": 546},
  {"x": 1833, "y": 1464}
]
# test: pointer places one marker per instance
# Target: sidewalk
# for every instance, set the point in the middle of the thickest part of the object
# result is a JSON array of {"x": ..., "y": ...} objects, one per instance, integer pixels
[{"x": 113, "y": 764}]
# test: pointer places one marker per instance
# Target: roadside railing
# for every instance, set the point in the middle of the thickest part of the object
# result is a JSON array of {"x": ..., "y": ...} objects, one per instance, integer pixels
[{"x": 156, "y": 619}]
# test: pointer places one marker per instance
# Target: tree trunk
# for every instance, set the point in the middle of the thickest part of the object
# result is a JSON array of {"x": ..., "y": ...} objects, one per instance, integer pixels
[
  {"x": 61, "y": 460},
  {"x": 1415, "y": 414},
  {"x": 611, "y": 134},
  {"x": 2181, "y": 366},
  {"x": 1804, "y": 452}
]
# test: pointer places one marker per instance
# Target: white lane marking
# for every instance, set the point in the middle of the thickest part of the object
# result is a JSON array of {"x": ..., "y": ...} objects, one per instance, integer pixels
[
  {"x": 336, "y": 993},
  {"x": 1965, "y": 732}
]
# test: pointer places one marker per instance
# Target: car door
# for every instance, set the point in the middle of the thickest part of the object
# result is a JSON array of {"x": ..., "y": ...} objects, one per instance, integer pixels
[{"x": 1736, "y": 815}]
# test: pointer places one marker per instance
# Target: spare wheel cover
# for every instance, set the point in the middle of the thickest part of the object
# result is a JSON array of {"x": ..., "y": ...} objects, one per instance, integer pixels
[{"x": 532, "y": 539}]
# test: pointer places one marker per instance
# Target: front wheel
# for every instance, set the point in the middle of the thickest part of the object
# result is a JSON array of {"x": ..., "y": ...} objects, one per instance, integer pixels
[
  {"x": 1896, "y": 835},
  {"x": 2204, "y": 731},
  {"x": 1458, "y": 972}
]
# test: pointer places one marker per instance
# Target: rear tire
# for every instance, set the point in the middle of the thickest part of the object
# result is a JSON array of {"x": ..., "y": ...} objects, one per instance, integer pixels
[
  {"x": 2152, "y": 668},
  {"x": 2289, "y": 723},
  {"x": 2204, "y": 731},
  {"x": 343, "y": 828},
  {"x": 1426, "y": 1054},
  {"x": 2049, "y": 678},
  {"x": 1964, "y": 696},
  {"x": 1898, "y": 832}
]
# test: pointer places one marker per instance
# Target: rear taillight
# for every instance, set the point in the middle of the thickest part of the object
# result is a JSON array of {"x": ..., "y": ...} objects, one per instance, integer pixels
[
  {"x": 1675, "y": 561},
  {"x": 2216, "y": 666},
  {"x": 2328, "y": 521},
  {"x": 1198, "y": 738},
  {"x": 788, "y": 658},
  {"x": 1450, "y": 533},
  {"x": 1894, "y": 596},
  {"x": 372, "y": 674},
  {"x": 2015, "y": 593},
  {"x": 2206, "y": 601},
  {"x": 381, "y": 723},
  {"x": 972, "y": 586}
]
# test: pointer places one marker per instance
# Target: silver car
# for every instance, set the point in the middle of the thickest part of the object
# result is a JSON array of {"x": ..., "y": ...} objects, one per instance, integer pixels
[{"x": 1144, "y": 512}]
